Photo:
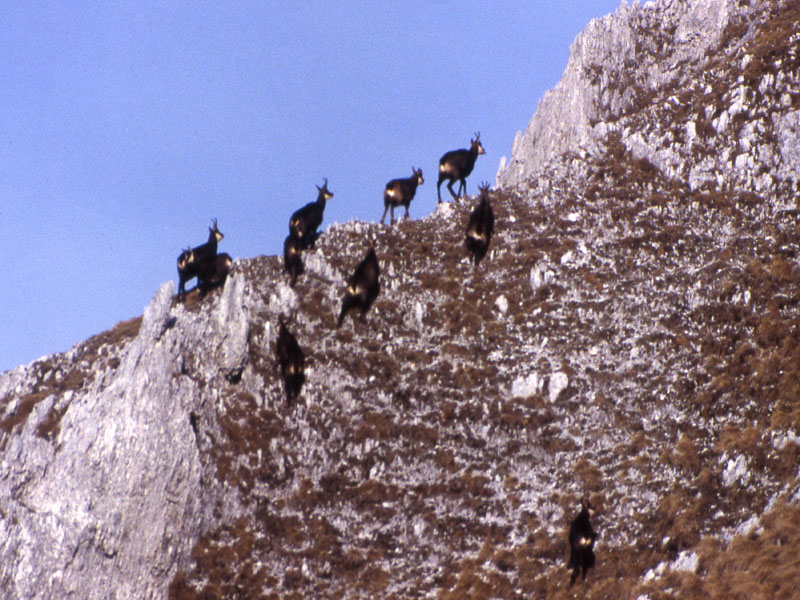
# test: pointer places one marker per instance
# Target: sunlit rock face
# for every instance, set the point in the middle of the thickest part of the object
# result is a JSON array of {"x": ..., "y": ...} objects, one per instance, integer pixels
[
  {"x": 701, "y": 90},
  {"x": 103, "y": 489}
]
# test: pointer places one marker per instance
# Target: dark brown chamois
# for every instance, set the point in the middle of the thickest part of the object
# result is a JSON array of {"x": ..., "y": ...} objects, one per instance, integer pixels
[
  {"x": 400, "y": 192},
  {"x": 292, "y": 257},
  {"x": 581, "y": 542},
  {"x": 213, "y": 273},
  {"x": 291, "y": 361},
  {"x": 192, "y": 260},
  {"x": 363, "y": 286},
  {"x": 186, "y": 270},
  {"x": 480, "y": 226},
  {"x": 306, "y": 220},
  {"x": 456, "y": 165}
]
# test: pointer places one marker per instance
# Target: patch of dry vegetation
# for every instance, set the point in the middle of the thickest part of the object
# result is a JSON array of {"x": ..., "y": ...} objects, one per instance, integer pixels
[{"x": 55, "y": 376}]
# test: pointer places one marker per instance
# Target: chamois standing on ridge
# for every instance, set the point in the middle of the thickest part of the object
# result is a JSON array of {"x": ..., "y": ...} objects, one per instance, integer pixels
[
  {"x": 456, "y": 165},
  {"x": 305, "y": 221},
  {"x": 291, "y": 361},
  {"x": 581, "y": 542},
  {"x": 292, "y": 257},
  {"x": 363, "y": 286},
  {"x": 192, "y": 260},
  {"x": 186, "y": 270},
  {"x": 400, "y": 192},
  {"x": 480, "y": 226},
  {"x": 213, "y": 273}
]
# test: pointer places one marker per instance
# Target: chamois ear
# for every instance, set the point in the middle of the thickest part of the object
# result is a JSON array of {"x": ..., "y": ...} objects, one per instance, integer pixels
[
  {"x": 324, "y": 189},
  {"x": 586, "y": 505}
]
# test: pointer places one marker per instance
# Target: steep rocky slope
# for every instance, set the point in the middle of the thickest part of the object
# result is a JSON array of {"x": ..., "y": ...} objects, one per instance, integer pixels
[{"x": 632, "y": 337}]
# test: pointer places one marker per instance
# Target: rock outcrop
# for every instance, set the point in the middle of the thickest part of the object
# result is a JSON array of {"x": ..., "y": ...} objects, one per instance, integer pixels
[
  {"x": 102, "y": 486},
  {"x": 702, "y": 90}
]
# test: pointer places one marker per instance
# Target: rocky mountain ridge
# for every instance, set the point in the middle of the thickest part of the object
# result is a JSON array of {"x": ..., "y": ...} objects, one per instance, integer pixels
[
  {"x": 701, "y": 90},
  {"x": 632, "y": 337}
]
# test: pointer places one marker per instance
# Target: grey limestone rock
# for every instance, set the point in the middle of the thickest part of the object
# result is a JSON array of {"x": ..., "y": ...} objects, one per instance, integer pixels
[
  {"x": 625, "y": 75},
  {"x": 111, "y": 507}
]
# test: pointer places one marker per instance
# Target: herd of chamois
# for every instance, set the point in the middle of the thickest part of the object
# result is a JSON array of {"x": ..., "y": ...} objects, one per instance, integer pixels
[{"x": 211, "y": 270}]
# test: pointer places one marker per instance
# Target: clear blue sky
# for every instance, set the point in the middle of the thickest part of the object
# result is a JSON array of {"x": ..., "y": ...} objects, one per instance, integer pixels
[{"x": 126, "y": 126}]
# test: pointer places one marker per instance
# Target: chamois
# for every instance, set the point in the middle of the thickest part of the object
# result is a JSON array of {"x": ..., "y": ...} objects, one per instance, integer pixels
[
  {"x": 457, "y": 165},
  {"x": 480, "y": 226},
  {"x": 305, "y": 221},
  {"x": 581, "y": 542},
  {"x": 192, "y": 260},
  {"x": 292, "y": 258},
  {"x": 291, "y": 361},
  {"x": 363, "y": 285},
  {"x": 400, "y": 192},
  {"x": 186, "y": 270},
  {"x": 213, "y": 273}
]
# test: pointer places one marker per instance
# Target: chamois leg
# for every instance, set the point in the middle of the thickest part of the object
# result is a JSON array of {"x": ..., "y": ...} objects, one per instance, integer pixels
[
  {"x": 462, "y": 190},
  {"x": 406, "y": 212},
  {"x": 385, "y": 210},
  {"x": 348, "y": 304},
  {"x": 450, "y": 187}
]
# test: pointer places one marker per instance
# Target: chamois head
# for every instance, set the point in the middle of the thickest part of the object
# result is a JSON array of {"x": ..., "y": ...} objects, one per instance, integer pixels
[
  {"x": 324, "y": 192},
  {"x": 475, "y": 144},
  {"x": 214, "y": 232},
  {"x": 185, "y": 258}
]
